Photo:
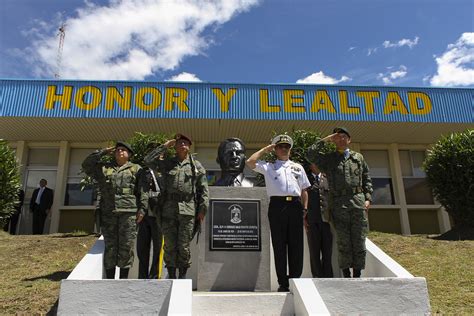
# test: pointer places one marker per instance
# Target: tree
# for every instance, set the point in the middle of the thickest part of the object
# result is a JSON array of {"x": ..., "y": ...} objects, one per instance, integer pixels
[
  {"x": 449, "y": 167},
  {"x": 9, "y": 182}
]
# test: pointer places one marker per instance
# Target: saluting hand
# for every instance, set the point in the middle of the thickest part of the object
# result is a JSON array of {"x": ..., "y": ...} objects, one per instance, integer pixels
[
  {"x": 110, "y": 150},
  {"x": 269, "y": 148},
  {"x": 140, "y": 217},
  {"x": 200, "y": 217},
  {"x": 331, "y": 137},
  {"x": 170, "y": 143}
]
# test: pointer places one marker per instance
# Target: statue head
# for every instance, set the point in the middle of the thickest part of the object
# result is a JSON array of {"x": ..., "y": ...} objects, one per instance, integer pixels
[{"x": 231, "y": 156}]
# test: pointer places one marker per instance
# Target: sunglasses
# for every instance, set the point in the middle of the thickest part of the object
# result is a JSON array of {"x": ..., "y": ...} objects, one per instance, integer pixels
[{"x": 286, "y": 146}]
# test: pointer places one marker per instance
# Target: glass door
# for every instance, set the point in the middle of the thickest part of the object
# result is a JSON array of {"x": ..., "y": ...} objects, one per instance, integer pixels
[{"x": 32, "y": 179}]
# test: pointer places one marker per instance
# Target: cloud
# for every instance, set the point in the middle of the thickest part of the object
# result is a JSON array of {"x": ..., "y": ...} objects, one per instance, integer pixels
[
  {"x": 389, "y": 76},
  {"x": 371, "y": 51},
  {"x": 401, "y": 43},
  {"x": 321, "y": 78},
  {"x": 132, "y": 39},
  {"x": 186, "y": 77},
  {"x": 456, "y": 65}
]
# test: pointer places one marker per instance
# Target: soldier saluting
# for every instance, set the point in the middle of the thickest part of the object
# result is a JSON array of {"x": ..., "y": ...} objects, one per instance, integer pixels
[
  {"x": 350, "y": 189},
  {"x": 122, "y": 202},
  {"x": 186, "y": 191}
]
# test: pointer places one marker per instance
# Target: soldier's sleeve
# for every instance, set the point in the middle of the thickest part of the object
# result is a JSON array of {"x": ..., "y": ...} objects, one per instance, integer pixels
[
  {"x": 92, "y": 165},
  {"x": 316, "y": 155},
  {"x": 141, "y": 191},
  {"x": 366, "y": 181},
  {"x": 203, "y": 190},
  {"x": 153, "y": 160}
]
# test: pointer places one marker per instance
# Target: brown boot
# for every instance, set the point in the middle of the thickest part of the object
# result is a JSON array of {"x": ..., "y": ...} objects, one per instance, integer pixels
[
  {"x": 171, "y": 273},
  {"x": 346, "y": 272},
  {"x": 124, "y": 273},
  {"x": 182, "y": 273},
  {"x": 110, "y": 273}
]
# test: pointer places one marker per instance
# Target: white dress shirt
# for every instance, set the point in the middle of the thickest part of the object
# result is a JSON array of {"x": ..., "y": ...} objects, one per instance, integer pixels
[
  {"x": 283, "y": 178},
  {"x": 38, "y": 197}
]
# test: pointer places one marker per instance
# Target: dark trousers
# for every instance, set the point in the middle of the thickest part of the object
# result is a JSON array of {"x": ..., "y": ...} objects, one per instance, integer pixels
[
  {"x": 39, "y": 217},
  {"x": 320, "y": 249},
  {"x": 13, "y": 221},
  {"x": 286, "y": 227},
  {"x": 148, "y": 231}
]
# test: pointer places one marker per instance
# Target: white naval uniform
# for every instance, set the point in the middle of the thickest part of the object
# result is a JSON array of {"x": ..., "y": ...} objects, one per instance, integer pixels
[
  {"x": 283, "y": 178},
  {"x": 285, "y": 181}
]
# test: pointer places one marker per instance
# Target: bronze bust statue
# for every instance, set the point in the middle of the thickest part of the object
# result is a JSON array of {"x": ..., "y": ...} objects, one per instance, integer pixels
[{"x": 231, "y": 158}]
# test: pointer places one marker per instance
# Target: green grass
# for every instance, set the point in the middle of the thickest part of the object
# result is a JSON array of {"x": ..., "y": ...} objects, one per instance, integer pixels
[
  {"x": 33, "y": 266},
  {"x": 446, "y": 265}
]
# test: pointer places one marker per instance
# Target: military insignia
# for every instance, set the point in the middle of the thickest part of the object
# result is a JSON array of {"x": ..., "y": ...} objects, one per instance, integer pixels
[{"x": 235, "y": 213}]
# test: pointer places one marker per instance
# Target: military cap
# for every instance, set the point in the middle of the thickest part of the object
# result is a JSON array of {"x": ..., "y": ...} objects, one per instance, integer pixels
[
  {"x": 126, "y": 145},
  {"x": 282, "y": 139},
  {"x": 181, "y": 136},
  {"x": 342, "y": 130}
]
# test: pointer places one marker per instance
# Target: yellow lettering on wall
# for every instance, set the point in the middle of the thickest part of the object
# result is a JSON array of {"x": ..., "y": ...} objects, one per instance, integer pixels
[
  {"x": 94, "y": 94},
  {"x": 224, "y": 98},
  {"x": 113, "y": 95},
  {"x": 322, "y": 101},
  {"x": 424, "y": 107},
  {"x": 344, "y": 104},
  {"x": 394, "y": 103},
  {"x": 264, "y": 106},
  {"x": 369, "y": 97},
  {"x": 52, "y": 97},
  {"x": 155, "y": 95},
  {"x": 176, "y": 96},
  {"x": 291, "y": 98}
]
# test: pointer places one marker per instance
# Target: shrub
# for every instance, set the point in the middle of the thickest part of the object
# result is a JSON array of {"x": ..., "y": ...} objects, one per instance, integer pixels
[
  {"x": 9, "y": 182},
  {"x": 449, "y": 167}
]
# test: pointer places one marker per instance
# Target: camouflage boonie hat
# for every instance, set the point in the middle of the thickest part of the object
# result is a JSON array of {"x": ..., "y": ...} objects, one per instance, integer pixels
[
  {"x": 126, "y": 145},
  {"x": 342, "y": 130},
  {"x": 181, "y": 136}
]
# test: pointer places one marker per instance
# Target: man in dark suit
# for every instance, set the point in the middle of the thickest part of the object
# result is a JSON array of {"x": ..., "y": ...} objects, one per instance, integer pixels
[
  {"x": 316, "y": 220},
  {"x": 40, "y": 205}
]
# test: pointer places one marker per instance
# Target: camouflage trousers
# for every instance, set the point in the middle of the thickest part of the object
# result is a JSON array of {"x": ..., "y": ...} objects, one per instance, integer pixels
[
  {"x": 119, "y": 230},
  {"x": 178, "y": 233},
  {"x": 351, "y": 227}
]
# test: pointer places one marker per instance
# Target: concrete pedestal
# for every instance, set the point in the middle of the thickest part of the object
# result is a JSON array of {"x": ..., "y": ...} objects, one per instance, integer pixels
[{"x": 235, "y": 270}]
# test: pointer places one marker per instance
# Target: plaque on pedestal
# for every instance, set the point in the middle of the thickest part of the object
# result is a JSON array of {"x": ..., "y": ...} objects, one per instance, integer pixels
[{"x": 234, "y": 225}]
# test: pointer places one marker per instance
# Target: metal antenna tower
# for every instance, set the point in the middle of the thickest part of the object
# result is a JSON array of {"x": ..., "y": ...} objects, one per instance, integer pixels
[{"x": 61, "y": 34}]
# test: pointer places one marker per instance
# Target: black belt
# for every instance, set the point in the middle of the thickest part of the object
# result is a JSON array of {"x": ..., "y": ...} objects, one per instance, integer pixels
[
  {"x": 289, "y": 198},
  {"x": 178, "y": 197}
]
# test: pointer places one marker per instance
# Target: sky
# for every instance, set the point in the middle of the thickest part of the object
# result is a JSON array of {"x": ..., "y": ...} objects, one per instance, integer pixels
[{"x": 415, "y": 43}]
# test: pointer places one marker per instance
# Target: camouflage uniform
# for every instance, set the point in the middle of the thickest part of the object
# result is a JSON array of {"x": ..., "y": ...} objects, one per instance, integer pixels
[
  {"x": 121, "y": 196},
  {"x": 179, "y": 207},
  {"x": 349, "y": 186}
]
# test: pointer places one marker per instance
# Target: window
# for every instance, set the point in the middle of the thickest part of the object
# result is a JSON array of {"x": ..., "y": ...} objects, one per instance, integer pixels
[
  {"x": 74, "y": 195},
  {"x": 379, "y": 170},
  {"x": 414, "y": 178}
]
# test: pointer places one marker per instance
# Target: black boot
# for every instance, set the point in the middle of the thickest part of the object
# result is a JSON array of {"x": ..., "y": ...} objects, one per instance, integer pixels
[
  {"x": 124, "y": 273},
  {"x": 110, "y": 273},
  {"x": 346, "y": 272},
  {"x": 182, "y": 273},
  {"x": 356, "y": 273},
  {"x": 171, "y": 273}
]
